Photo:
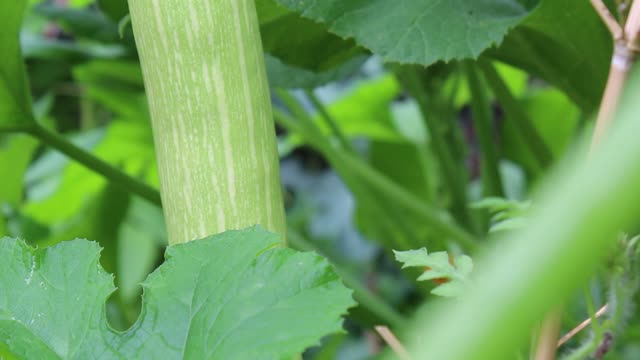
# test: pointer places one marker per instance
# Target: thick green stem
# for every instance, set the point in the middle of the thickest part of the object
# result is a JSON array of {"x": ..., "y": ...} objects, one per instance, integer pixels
[
  {"x": 483, "y": 124},
  {"x": 521, "y": 121},
  {"x": 114, "y": 175},
  {"x": 206, "y": 83}
]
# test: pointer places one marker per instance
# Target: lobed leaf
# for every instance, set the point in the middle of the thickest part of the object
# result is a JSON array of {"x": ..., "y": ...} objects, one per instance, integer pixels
[
  {"x": 232, "y": 295},
  {"x": 450, "y": 273}
]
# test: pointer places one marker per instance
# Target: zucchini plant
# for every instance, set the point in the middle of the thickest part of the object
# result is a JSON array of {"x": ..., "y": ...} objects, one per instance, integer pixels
[{"x": 233, "y": 295}]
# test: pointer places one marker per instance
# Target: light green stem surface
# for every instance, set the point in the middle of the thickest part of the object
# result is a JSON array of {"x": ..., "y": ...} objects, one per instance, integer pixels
[{"x": 215, "y": 140}]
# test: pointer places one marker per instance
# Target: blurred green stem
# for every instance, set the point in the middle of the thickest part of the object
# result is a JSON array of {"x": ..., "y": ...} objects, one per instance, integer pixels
[
  {"x": 521, "y": 121},
  {"x": 90, "y": 161},
  {"x": 483, "y": 124},
  {"x": 329, "y": 120},
  {"x": 439, "y": 220},
  {"x": 453, "y": 178}
]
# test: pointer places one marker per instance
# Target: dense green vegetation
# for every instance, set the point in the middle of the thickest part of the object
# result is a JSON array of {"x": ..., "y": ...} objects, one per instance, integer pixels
[{"x": 269, "y": 179}]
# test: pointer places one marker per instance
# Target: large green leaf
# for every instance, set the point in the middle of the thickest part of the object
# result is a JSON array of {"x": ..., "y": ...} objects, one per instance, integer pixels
[
  {"x": 301, "y": 42},
  {"x": 230, "y": 296},
  {"x": 417, "y": 31},
  {"x": 282, "y": 75},
  {"x": 15, "y": 100},
  {"x": 564, "y": 42}
]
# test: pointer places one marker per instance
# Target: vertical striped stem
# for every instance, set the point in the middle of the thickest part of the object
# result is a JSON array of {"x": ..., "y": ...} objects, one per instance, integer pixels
[{"x": 211, "y": 113}]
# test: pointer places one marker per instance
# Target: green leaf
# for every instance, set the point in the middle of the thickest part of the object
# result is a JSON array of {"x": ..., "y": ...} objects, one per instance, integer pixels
[
  {"x": 229, "y": 296},
  {"x": 82, "y": 22},
  {"x": 506, "y": 215},
  {"x": 15, "y": 99},
  {"x": 366, "y": 111},
  {"x": 286, "y": 76},
  {"x": 561, "y": 41},
  {"x": 439, "y": 266},
  {"x": 417, "y": 31},
  {"x": 114, "y": 9},
  {"x": 301, "y": 42},
  {"x": 126, "y": 144}
]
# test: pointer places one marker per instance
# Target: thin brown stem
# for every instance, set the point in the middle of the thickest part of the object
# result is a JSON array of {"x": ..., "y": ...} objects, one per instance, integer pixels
[
  {"x": 632, "y": 26},
  {"x": 609, "y": 20},
  {"x": 581, "y": 326},
  {"x": 393, "y": 342},
  {"x": 618, "y": 74},
  {"x": 549, "y": 332}
]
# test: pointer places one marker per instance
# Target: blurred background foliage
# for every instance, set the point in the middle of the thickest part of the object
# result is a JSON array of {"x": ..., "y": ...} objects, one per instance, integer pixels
[{"x": 87, "y": 84}]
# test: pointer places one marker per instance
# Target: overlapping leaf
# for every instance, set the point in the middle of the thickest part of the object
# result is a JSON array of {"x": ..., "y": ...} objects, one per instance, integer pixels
[
  {"x": 232, "y": 295},
  {"x": 450, "y": 273},
  {"x": 15, "y": 101},
  {"x": 417, "y": 31},
  {"x": 565, "y": 43}
]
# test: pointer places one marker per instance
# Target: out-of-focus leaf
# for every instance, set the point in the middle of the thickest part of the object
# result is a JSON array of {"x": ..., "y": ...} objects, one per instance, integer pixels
[
  {"x": 565, "y": 43},
  {"x": 450, "y": 273},
  {"x": 117, "y": 85},
  {"x": 555, "y": 118},
  {"x": 308, "y": 45},
  {"x": 115, "y": 9},
  {"x": 15, "y": 99},
  {"x": 506, "y": 215},
  {"x": 253, "y": 302},
  {"x": 85, "y": 22},
  {"x": 516, "y": 79},
  {"x": 580, "y": 212},
  {"x": 366, "y": 110},
  {"x": 80, "y": 3},
  {"x": 126, "y": 144},
  {"x": 141, "y": 234},
  {"x": 282, "y": 75},
  {"x": 15, "y": 154},
  {"x": 417, "y": 31},
  {"x": 38, "y": 47}
]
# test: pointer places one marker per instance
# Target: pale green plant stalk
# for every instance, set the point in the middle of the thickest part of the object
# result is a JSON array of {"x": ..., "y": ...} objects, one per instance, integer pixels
[{"x": 215, "y": 140}]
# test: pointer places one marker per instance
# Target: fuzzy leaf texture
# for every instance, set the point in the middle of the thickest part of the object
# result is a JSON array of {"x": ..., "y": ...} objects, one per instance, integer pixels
[
  {"x": 506, "y": 215},
  {"x": 417, "y": 31},
  {"x": 451, "y": 274},
  {"x": 233, "y": 295}
]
